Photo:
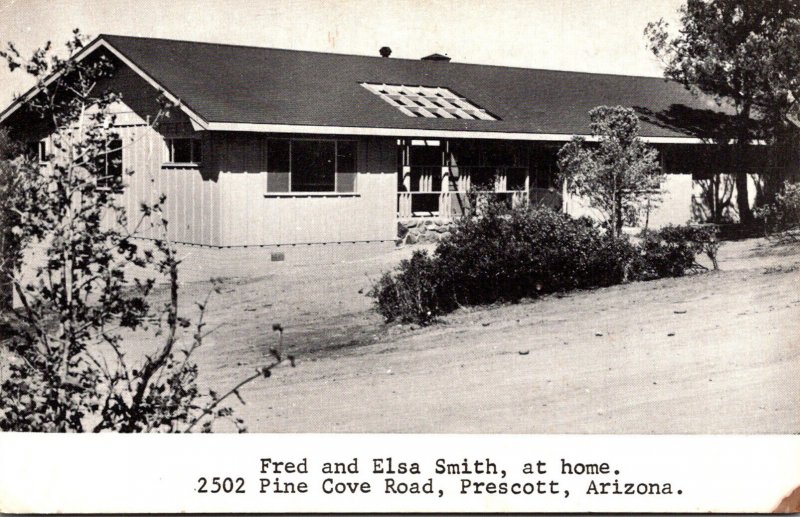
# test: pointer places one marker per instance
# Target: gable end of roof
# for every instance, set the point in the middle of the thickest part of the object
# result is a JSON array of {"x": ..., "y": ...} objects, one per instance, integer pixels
[{"x": 90, "y": 48}]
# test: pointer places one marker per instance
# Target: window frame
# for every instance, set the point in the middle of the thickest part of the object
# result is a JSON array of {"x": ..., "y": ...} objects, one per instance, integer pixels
[
  {"x": 41, "y": 152},
  {"x": 101, "y": 185},
  {"x": 291, "y": 171},
  {"x": 170, "y": 151}
]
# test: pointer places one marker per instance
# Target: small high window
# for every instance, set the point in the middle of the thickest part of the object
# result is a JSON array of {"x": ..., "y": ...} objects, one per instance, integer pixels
[
  {"x": 37, "y": 150},
  {"x": 429, "y": 102},
  {"x": 184, "y": 150},
  {"x": 108, "y": 165}
]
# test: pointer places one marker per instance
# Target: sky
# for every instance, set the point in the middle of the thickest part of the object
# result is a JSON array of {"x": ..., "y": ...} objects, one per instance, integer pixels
[{"x": 582, "y": 35}]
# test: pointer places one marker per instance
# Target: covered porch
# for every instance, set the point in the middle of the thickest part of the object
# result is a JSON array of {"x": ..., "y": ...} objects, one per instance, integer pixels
[{"x": 440, "y": 178}]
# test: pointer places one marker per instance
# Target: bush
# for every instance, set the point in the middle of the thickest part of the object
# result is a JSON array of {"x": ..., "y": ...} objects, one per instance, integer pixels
[
  {"x": 503, "y": 256},
  {"x": 411, "y": 295},
  {"x": 506, "y": 256},
  {"x": 672, "y": 250},
  {"x": 784, "y": 214}
]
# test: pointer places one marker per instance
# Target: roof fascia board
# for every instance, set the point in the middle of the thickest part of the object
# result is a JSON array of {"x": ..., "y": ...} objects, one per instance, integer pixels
[
  {"x": 195, "y": 118},
  {"x": 100, "y": 42},
  {"x": 31, "y": 93},
  {"x": 434, "y": 133}
]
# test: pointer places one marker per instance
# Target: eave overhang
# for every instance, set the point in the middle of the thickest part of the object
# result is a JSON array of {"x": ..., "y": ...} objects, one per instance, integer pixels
[{"x": 427, "y": 133}]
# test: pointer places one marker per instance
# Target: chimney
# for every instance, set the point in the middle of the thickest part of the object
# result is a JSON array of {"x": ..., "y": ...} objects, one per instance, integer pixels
[
  {"x": 437, "y": 57},
  {"x": 385, "y": 51}
]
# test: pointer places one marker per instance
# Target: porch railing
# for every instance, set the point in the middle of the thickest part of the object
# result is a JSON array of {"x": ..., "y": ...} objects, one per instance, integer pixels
[{"x": 446, "y": 205}]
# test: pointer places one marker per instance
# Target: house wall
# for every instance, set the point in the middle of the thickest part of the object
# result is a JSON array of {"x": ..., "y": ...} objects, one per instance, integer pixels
[
  {"x": 686, "y": 191},
  {"x": 192, "y": 206},
  {"x": 249, "y": 216},
  {"x": 704, "y": 202},
  {"x": 192, "y": 196},
  {"x": 223, "y": 201}
]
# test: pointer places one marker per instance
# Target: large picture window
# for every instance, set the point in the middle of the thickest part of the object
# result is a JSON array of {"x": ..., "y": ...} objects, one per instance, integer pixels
[
  {"x": 306, "y": 165},
  {"x": 313, "y": 166}
]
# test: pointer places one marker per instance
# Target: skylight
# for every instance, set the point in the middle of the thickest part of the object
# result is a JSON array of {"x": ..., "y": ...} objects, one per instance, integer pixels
[{"x": 428, "y": 102}]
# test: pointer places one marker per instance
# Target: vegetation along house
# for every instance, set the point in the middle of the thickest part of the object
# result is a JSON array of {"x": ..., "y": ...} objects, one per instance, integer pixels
[{"x": 291, "y": 151}]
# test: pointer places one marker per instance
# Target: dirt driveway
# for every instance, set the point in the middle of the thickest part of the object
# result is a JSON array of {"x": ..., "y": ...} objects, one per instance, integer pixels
[{"x": 714, "y": 353}]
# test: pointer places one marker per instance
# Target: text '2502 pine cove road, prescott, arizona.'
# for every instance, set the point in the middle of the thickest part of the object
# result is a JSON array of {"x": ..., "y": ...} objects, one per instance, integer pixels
[{"x": 438, "y": 477}]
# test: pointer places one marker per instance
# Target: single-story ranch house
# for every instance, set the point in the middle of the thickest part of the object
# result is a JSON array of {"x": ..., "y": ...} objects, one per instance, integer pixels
[{"x": 293, "y": 151}]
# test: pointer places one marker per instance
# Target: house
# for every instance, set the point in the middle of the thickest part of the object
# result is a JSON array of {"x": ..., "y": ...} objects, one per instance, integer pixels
[{"x": 291, "y": 151}]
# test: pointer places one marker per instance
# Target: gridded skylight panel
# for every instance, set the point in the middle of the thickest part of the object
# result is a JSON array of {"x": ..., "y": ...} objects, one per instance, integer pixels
[
  {"x": 428, "y": 102},
  {"x": 461, "y": 104},
  {"x": 481, "y": 114}
]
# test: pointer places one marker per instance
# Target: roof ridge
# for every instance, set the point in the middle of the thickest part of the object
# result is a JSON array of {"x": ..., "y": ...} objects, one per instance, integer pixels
[{"x": 456, "y": 63}]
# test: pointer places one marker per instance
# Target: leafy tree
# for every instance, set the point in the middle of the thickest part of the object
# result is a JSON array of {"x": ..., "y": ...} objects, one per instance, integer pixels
[
  {"x": 743, "y": 52},
  {"x": 619, "y": 175},
  {"x": 10, "y": 251},
  {"x": 69, "y": 369},
  {"x": 781, "y": 218}
]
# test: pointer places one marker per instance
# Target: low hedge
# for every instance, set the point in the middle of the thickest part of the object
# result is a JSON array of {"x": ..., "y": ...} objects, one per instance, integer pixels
[
  {"x": 504, "y": 256},
  {"x": 673, "y": 250}
]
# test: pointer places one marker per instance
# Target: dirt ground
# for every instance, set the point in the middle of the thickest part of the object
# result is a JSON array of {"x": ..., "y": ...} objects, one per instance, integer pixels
[
  {"x": 717, "y": 352},
  {"x": 713, "y": 353}
]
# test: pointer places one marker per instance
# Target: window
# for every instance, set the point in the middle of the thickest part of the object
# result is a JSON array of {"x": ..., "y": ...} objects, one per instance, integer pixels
[
  {"x": 184, "y": 150},
  {"x": 345, "y": 166},
  {"x": 37, "y": 150},
  {"x": 278, "y": 165},
  {"x": 429, "y": 102},
  {"x": 108, "y": 165},
  {"x": 313, "y": 166},
  {"x": 346, "y": 157},
  {"x": 300, "y": 165}
]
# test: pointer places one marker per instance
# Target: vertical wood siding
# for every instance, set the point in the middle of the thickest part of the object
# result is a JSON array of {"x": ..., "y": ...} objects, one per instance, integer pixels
[
  {"x": 250, "y": 217},
  {"x": 223, "y": 202},
  {"x": 192, "y": 198},
  {"x": 192, "y": 205}
]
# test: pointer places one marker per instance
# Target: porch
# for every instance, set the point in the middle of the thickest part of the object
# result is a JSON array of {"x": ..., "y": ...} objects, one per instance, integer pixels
[{"x": 442, "y": 179}]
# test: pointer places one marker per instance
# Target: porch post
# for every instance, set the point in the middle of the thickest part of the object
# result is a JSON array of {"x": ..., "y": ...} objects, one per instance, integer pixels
[
  {"x": 444, "y": 196},
  {"x": 407, "y": 165},
  {"x": 404, "y": 203},
  {"x": 526, "y": 197}
]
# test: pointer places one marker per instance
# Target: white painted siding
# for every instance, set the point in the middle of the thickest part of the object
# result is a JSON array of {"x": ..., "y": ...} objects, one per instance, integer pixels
[{"x": 250, "y": 216}]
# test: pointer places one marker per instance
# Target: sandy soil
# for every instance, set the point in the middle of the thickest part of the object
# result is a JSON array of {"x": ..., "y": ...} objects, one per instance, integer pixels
[{"x": 713, "y": 353}]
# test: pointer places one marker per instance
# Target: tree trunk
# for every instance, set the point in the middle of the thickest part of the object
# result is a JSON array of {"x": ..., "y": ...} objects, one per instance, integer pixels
[
  {"x": 740, "y": 174},
  {"x": 6, "y": 294},
  {"x": 6, "y": 286},
  {"x": 743, "y": 198}
]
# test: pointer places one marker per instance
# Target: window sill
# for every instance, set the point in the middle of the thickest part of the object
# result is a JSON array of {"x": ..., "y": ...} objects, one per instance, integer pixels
[
  {"x": 312, "y": 194},
  {"x": 186, "y": 165}
]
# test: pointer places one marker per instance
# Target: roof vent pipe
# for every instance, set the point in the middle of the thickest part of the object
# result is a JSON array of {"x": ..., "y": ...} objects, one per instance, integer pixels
[{"x": 385, "y": 51}]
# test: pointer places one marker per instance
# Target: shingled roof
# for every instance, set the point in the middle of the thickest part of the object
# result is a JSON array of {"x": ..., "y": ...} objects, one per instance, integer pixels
[{"x": 228, "y": 85}]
